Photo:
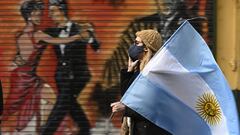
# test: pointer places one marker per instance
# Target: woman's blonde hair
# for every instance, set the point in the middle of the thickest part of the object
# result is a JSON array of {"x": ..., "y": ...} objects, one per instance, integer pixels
[{"x": 146, "y": 58}]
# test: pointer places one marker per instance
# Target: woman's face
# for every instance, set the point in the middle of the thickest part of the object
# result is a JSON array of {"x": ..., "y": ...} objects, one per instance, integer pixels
[
  {"x": 36, "y": 17},
  {"x": 138, "y": 42}
]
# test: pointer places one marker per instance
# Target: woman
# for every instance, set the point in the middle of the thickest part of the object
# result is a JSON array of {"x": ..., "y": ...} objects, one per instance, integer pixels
[
  {"x": 146, "y": 45},
  {"x": 23, "y": 101}
]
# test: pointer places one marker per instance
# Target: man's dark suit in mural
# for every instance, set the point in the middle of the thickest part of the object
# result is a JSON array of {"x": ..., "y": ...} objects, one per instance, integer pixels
[{"x": 72, "y": 70}]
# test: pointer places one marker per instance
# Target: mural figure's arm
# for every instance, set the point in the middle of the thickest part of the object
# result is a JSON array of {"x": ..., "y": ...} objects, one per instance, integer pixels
[
  {"x": 40, "y": 36},
  {"x": 87, "y": 31}
]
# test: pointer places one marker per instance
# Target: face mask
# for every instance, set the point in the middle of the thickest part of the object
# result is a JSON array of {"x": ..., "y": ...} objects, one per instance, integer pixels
[{"x": 134, "y": 52}]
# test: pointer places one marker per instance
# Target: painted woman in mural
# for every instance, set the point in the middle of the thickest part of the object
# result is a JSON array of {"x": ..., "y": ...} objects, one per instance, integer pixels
[{"x": 23, "y": 101}]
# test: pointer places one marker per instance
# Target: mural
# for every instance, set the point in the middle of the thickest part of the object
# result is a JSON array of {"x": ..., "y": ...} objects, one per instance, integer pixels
[{"x": 60, "y": 59}]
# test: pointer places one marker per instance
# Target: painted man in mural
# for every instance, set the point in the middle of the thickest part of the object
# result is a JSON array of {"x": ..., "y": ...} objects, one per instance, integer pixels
[
  {"x": 72, "y": 69},
  {"x": 23, "y": 101}
]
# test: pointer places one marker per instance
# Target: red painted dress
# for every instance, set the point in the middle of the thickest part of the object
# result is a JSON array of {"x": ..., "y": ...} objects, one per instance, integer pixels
[{"x": 23, "y": 100}]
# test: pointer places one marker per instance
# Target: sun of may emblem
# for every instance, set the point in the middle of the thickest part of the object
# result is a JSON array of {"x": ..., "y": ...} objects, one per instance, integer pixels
[{"x": 208, "y": 108}]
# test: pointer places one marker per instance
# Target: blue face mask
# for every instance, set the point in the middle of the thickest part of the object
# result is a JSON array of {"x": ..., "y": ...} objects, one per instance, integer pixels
[{"x": 134, "y": 51}]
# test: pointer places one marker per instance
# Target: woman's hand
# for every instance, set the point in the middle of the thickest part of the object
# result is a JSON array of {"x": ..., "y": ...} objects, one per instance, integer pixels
[
  {"x": 132, "y": 65},
  {"x": 117, "y": 107}
]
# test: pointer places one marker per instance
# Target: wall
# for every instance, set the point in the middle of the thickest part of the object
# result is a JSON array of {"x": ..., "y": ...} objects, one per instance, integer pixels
[
  {"x": 238, "y": 42},
  {"x": 228, "y": 41},
  {"x": 30, "y": 85}
]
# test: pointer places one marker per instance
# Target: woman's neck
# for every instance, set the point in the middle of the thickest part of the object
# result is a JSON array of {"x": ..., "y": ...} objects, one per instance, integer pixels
[{"x": 29, "y": 27}]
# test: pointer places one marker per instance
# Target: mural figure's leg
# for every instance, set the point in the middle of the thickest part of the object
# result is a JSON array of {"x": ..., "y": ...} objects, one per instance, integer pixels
[
  {"x": 80, "y": 118},
  {"x": 77, "y": 113},
  {"x": 61, "y": 107}
]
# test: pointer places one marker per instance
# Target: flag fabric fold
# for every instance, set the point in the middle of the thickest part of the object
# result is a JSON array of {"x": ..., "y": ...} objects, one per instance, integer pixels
[{"x": 183, "y": 90}]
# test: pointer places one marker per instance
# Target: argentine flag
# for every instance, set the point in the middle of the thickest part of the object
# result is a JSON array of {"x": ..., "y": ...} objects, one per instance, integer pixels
[{"x": 183, "y": 90}]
